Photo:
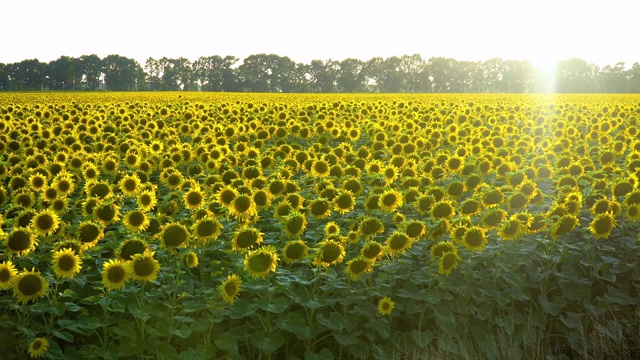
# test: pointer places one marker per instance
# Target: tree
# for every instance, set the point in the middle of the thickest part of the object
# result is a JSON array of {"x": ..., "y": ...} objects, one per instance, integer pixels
[
  {"x": 441, "y": 74},
  {"x": 153, "y": 71},
  {"x": 323, "y": 75},
  {"x": 91, "y": 68},
  {"x": 27, "y": 75},
  {"x": 122, "y": 73},
  {"x": 613, "y": 79},
  {"x": 351, "y": 75},
  {"x": 411, "y": 66},
  {"x": 215, "y": 73},
  {"x": 634, "y": 78},
  {"x": 65, "y": 73},
  {"x": 575, "y": 76},
  {"x": 4, "y": 76}
]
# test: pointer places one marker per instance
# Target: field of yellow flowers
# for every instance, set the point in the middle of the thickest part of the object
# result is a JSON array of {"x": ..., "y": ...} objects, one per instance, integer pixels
[{"x": 201, "y": 226}]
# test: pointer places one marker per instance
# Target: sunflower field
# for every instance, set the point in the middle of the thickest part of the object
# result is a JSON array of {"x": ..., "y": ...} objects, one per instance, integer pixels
[{"x": 255, "y": 226}]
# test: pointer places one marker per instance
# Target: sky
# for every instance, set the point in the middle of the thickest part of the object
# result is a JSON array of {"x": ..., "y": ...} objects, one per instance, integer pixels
[{"x": 540, "y": 31}]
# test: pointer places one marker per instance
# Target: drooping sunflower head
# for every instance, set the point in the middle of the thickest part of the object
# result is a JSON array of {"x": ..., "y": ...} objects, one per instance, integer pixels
[
  {"x": 343, "y": 202},
  {"x": 441, "y": 248},
  {"x": 131, "y": 247},
  {"x": 144, "y": 267},
  {"x": 294, "y": 250},
  {"x": 415, "y": 229},
  {"x": 191, "y": 259},
  {"x": 357, "y": 267},
  {"x": 261, "y": 198},
  {"x": 475, "y": 238},
  {"x": 447, "y": 262},
  {"x": 563, "y": 225},
  {"x": 602, "y": 225},
  {"x": 511, "y": 229},
  {"x": 66, "y": 263},
  {"x": 106, "y": 213},
  {"x": 493, "y": 218},
  {"x": 370, "y": 226},
  {"x": 424, "y": 203},
  {"x": 329, "y": 252},
  {"x": 320, "y": 208},
  {"x": 443, "y": 210},
  {"x": 246, "y": 238}
]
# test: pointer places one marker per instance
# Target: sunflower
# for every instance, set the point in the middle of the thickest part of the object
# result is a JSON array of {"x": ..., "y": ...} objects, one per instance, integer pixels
[
  {"x": 207, "y": 228},
  {"x": 59, "y": 206},
  {"x": 343, "y": 202},
  {"x": 106, "y": 213},
  {"x": 319, "y": 208},
  {"x": 632, "y": 212},
  {"x": 331, "y": 228},
  {"x": 146, "y": 200},
  {"x": 563, "y": 225},
  {"x": 230, "y": 288},
  {"x": 353, "y": 185},
  {"x": 144, "y": 267},
  {"x": 443, "y": 210},
  {"x": 130, "y": 184},
  {"x": 38, "y": 347},
  {"x": 424, "y": 203},
  {"x": 517, "y": 201},
  {"x": 261, "y": 198},
  {"x": 24, "y": 199},
  {"x": 66, "y": 263},
  {"x": 294, "y": 250},
  {"x": 242, "y": 208},
  {"x": 386, "y": 306},
  {"x": 390, "y": 200},
  {"x": 63, "y": 182},
  {"x": 173, "y": 178},
  {"x": 357, "y": 267},
  {"x": 295, "y": 224},
  {"x": 320, "y": 168},
  {"x": 89, "y": 233},
  {"x": 458, "y": 231},
  {"x": 447, "y": 262},
  {"x": 20, "y": 241},
  {"x": 329, "y": 252},
  {"x": 262, "y": 261},
  {"x": 602, "y": 225},
  {"x": 191, "y": 259},
  {"x": 194, "y": 198},
  {"x": 173, "y": 235},
  {"x": 97, "y": 189},
  {"x": 475, "y": 238},
  {"x": 246, "y": 238},
  {"x": 492, "y": 198},
  {"x": 136, "y": 221},
  {"x": 470, "y": 207},
  {"x": 132, "y": 247},
  {"x": 370, "y": 226},
  {"x": 398, "y": 243},
  {"x": 511, "y": 229},
  {"x": 493, "y": 218},
  {"x": 37, "y": 182},
  {"x": 29, "y": 285},
  {"x": 45, "y": 222},
  {"x": 441, "y": 248},
  {"x": 8, "y": 273},
  {"x": 371, "y": 203},
  {"x": 114, "y": 274}
]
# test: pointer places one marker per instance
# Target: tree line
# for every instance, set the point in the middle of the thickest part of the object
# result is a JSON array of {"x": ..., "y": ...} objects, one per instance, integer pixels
[{"x": 274, "y": 73}]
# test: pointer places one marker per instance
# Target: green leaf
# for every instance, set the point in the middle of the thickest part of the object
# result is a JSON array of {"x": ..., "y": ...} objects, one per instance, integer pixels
[
  {"x": 335, "y": 322},
  {"x": 242, "y": 308},
  {"x": 228, "y": 342},
  {"x": 346, "y": 337},
  {"x": 180, "y": 330},
  {"x": 444, "y": 317},
  {"x": 277, "y": 305},
  {"x": 422, "y": 338},
  {"x": 324, "y": 354},
  {"x": 294, "y": 323},
  {"x": 572, "y": 321},
  {"x": 615, "y": 295},
  {"x": 267, "y": 344},
  {"x": 140, "y": 314},
  {"x": 125, "y": 328},
  {"x": 73, "y": 307},
  {"x": 160, "y": 328},
  {"x": 62, "y": 335},
  {"x": 202, "y": 324},
  {"x": 166, "y": 351}
]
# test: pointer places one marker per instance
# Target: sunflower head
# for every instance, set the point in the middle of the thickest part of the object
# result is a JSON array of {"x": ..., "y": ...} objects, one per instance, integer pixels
[
  {"x": 131, "y": 247},
  {"x": 398, "y": 243},
  {"x": 294, "y": 250},
  {"x": 144, "y": 267},
  {"x": 602, "y": 225},
  {"x": 173, "y": 235},
  {"x": 66, "y": 263},
  {"x": 29, "y": 285},
  {"x": 207, "y": 228},
  {"x": 246, "y": 238},
  {"x": 320, "y": 208},
  {"x": 475, "y": 238},
  {"x": 329, "y": 252},
  {"x": 115, "y": 274},
  {"x": 8, "y": 273},
  {"x": 262, "y": 261},
  {"x": 20, "y": 241},
  {"x": 38, "y": 347},
  {"x": 447, "y": 262},
  {"x": 191, "y": 259},
  {"x": 386, "y": 306},
  {"x": 357, "y": 267},
  {"x": 230, "y": 288},
  {"x": 390, "y": 200},
  {"x": 89, "y": 233}
]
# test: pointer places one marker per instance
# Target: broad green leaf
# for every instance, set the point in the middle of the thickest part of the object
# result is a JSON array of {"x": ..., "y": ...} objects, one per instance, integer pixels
[
  {"x": 267, "y": 344},
  {"x": 335, "y": 321},
  {"x": 294, "y": 323}
]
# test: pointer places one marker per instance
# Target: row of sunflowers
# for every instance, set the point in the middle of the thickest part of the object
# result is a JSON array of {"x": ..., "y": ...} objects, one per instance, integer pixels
[{"x": 148, "y": 211}]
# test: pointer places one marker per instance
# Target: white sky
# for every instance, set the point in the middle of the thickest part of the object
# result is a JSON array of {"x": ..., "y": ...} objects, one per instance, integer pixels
[{"x": 539, "y": 31}]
